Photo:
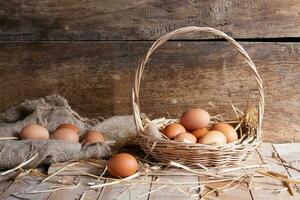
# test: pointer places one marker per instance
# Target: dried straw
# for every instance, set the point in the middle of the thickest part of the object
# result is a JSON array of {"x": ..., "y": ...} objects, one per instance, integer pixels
[
  {"x": 231, "y": 169},
  {"x": 53, "y": 189},
  {"x": 221, "y": 188},
  {"x": 288, "y": 185},
  {"x": 155, "y": 190},
  {"x": 271, "y": 174},
  {"x": 58, "y": 171},
  {"x": 117, "y": 181},
  {"x": 9, "y": 138},
  {"x": 124, "y": 191},
  {"x": 19, "y": 166},
  {"x": 191, "y": 170}
]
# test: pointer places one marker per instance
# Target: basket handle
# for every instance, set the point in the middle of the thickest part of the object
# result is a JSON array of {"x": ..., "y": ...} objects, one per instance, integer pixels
[{"x": 184, "y": 30}]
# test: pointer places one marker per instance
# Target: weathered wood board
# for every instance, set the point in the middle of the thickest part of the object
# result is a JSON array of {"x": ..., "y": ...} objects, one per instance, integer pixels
[
  {"x": 289, "y": 153},
  {"x": 18, "y": 187},
  {"x": 144, "y": 20},
  {"x": 126, "y": 191},
  {"x": 81, "y": 190},
  {"x": 263, "y": 187},
  {"x": 174, "y": 192},
  {"x": 96, "y": 78}
]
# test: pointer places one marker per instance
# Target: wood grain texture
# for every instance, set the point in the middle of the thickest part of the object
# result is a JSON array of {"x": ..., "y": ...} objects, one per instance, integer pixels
[
  {"x": 290, "y": 153},
  {"x": 4, "y": 184},
  {"x": 174, "y": 192},
  {"x": 127, "y": 191},
  {"x": 78, "y": 192},
  {"x": 18, "y": 187},
  {"x": 96, "y": 78},
  {"x": 144, "y": 20},
  {"x": 260, "y": 193}
]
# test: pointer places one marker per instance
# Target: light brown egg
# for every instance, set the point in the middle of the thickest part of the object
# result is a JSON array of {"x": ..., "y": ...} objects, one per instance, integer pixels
[
  {"x": 195, "y": 119},
  {"x": 185, "y": 137},
  {"x": 213, "y": 137},
  {"x": 92, "y": 137},
  {"x": 122, "y": 165},
  {"x": 172, "y": 130},
  {"x": 65, "y": 134},
  {"x": 229, "y": 132},
  {"x": 198, "y": 133},
  {"x": 34, "y": 132},
  {"x": 70, "y": 126}
]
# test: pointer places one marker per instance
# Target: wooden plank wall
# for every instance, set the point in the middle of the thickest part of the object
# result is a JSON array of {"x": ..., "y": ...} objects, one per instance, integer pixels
[{"x": 88, "y": 50}]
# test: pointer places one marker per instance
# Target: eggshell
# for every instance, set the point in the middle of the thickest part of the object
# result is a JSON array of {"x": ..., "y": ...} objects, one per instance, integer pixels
[
  {"x": 172, "y": 130},
  {"x": 185, "y": 137},
  {"x": 213, "y": 137},
  {"x": 92, "y": 137},
  {"x": 195, "y": 119},
  {"x": 198, "y": 133},
  {"x": 34, "y": 132},
  {"x": 229, "y": 132},
  {"x": 70, "y": 126},
  {"x": 122, "y": 165},
  {"x": 65, "y": 134}
]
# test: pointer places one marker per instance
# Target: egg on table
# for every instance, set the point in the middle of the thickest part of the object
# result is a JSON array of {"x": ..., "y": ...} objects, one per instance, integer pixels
[
  {"x": 92, "y": 137},
  {"x": 229, "y": 132},
  {"x": 34, "y": 132},
  {"x": 185, "y": 137},
  {"x": 195, "y": 119},
  {"x": 66, "y": 134},
  {"x": 171, "y": 130},
  {"x": 122, "y": 165},
  {"x": 213, "y": 137}
]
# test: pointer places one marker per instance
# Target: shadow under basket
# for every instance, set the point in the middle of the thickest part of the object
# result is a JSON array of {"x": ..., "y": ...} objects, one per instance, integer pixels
[{"x": 248, "y": 123}]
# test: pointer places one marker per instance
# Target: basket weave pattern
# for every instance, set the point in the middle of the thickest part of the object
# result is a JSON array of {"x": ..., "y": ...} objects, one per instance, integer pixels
[{"x": 197, "y": 154}]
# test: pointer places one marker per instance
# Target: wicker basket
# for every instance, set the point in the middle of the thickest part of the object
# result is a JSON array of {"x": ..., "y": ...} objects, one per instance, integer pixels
[{"x": 193, "y": 155}]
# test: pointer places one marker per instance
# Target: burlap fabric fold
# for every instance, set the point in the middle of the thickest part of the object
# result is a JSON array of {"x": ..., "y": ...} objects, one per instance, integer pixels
[{"x": 50, "y": 112}]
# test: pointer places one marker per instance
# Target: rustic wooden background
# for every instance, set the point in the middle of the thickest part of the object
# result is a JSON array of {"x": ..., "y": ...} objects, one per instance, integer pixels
[{"x": 87, "y": 51}]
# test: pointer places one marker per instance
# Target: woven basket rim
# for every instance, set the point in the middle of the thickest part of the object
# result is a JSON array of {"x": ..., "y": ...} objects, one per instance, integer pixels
[{"x": 248, "y": 141}]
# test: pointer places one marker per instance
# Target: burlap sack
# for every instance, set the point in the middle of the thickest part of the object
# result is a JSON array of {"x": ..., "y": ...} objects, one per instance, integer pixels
[{"x": 51, "y": 111}]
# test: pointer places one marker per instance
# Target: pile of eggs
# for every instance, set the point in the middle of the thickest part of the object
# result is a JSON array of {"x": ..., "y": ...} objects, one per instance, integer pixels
[
  {"x": 194, "y": 128},
  {"x": 66, "y": 132},
  {"x": 120, "y": 165}
]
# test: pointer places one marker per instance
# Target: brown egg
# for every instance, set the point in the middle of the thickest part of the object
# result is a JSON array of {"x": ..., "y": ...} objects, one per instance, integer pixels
[
  {"x": 185, "y": 137},
  {"x": 198, "y": 133},
  {"x": 195, "y": 119},
  {"x": 65, "y": 134},
  {"x": 70, "y": 126},
  {"x": 229, "y": 132},
  {"x": 34, "y": 132},
  {"x": 213, "y": 137},
  {"x": 122, "y": 165},
  {"x": 92, "y": 137},
  {"x": 172, "y": 130}
]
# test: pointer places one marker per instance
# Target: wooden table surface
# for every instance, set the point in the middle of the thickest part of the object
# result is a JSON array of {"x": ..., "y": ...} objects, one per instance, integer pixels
[{"x": 262, "y": 188}]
